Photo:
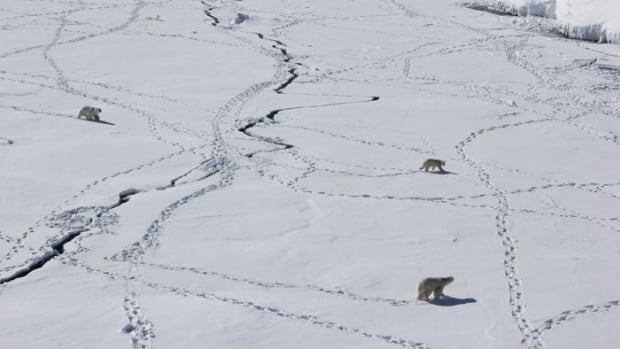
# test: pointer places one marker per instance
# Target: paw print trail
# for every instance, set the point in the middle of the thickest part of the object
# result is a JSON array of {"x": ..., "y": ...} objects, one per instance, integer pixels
[
  {"x": 503, "y": 209},
  {"x": 573, "y": 314},
  {"x": 313, "y": 320},
  {"x": 284, "y": 285},
  {"x": 61, "y": 80},
  {"x": 141, "y": 329}
]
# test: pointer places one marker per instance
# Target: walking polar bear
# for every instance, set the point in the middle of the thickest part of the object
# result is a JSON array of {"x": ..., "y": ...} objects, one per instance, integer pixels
[
  {"x": 432, "y": 164},
  {"x": 428, "y": 286},
  {"x": 89, "y": 113}
]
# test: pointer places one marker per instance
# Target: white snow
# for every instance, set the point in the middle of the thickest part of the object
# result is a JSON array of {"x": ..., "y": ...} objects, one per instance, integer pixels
[
  {"x": 258, "y": 185},
  {"x": 596, "y": 20}
]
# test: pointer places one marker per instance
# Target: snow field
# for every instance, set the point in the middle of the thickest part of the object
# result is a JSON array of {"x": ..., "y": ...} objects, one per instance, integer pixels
[{"x": 278, "y": 200}]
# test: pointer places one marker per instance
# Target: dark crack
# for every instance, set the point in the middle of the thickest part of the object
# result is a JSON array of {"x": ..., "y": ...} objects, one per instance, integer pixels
[
  {"x": 294, "y": 75},
  {"x": 207, "y": 11},
  {"x": 57, "y": 247}
]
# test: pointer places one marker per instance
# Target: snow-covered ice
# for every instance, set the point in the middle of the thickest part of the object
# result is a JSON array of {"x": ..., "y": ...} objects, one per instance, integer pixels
[
  {"x": 592, "y": 20},
  {"x": 256, "y": 183}
]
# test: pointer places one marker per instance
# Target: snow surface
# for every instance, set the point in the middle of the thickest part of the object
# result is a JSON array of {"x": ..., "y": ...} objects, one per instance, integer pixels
[
  {"x": 592, "y": 20},
  {"x": 257, "y": 185}
]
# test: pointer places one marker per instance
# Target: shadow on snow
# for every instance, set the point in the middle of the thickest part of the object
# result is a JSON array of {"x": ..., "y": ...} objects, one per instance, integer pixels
[{"x": 448, "y": 301}]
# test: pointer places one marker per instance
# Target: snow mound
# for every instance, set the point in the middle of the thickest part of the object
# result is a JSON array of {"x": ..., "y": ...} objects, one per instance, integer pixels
[
  {"x": 240, "y": 18},
  {"x": 517, "y": 7},
  {"x": 591, "y": 20},
  {"x": 128, "y": 328}
]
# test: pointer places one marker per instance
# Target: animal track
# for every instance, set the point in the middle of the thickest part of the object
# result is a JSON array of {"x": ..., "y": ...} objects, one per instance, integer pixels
[
  {"x": 501, "y": 224},
  {"x": 140, "y": 328},
  {"x": 263, "y": 284},
  {"x": 133, "y": 309},
  {"x": 572, "y": 314},
  {"x": 217, "y": 160}
]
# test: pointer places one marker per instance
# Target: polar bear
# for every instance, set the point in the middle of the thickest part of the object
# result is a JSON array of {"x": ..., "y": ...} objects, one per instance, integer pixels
[
  {"x": 433, "y": 163},
  {"x": 432, "y": 285},
  {"x": 89, "y": 113}
]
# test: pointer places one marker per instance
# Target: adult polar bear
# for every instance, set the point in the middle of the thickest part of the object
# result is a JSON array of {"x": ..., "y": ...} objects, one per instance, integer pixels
[
  {"x": 433, "y": 286},
  {"x": 89, "y": 113}
]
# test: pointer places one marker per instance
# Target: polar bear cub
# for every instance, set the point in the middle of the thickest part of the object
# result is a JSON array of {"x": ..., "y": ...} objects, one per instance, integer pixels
[{"x": 89, "y": 113}]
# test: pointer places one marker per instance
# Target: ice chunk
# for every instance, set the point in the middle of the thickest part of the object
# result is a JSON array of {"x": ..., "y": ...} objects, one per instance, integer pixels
[{"x": 240, "y": 18}]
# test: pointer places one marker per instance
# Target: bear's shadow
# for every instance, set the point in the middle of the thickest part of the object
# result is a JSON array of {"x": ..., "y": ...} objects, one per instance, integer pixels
[
  {"x": 447, "y": 301},
  {"x": 444, "y": 172},
  {"x": 105, "y": 122},
  {"x": 99, "y": 122}
]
